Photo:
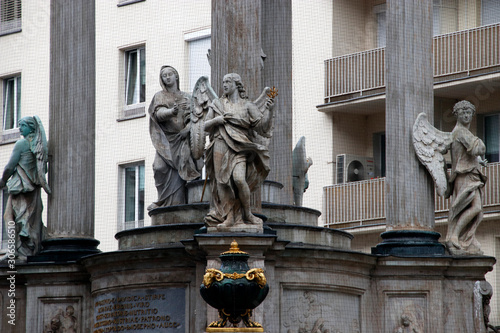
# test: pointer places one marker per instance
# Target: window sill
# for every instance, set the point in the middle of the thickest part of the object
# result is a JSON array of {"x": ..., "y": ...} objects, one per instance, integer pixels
[
  {"x": 9, "y": 32},
  {"x": 128, "y": 2},
  {"x": 10, "y": 136},
  {"x": 132, "y": 112}
]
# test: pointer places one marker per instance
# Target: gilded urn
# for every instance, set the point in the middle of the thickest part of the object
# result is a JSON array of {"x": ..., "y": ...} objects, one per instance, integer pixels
[{"x": 234, "y": 289}]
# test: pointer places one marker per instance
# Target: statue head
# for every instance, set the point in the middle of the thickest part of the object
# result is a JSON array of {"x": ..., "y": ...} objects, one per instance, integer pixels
[
  {"x": 463, "y": 105},
  {"x": 166, "y": 69},
  {"x": 236, "y": 78},
  {"x": 27, "y": 125}
]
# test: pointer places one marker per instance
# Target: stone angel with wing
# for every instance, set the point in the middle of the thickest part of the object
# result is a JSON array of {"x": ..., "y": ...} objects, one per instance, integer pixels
[
  {"x": 237, "y": 156},
  {"x": 466, "y": 181},
  {"x": 24, "y": 176}
]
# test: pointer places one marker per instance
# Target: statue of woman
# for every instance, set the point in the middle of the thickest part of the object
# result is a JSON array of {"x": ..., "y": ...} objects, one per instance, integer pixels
[
  {"x": 466, "y": 180},
  {"x": 24, "y": 175},
  {"x": 237, "y": 158},
  {"x": 169, "y": 128}
]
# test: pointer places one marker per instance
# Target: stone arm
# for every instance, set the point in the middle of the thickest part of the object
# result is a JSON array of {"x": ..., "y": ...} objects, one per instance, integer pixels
[
  {"x": 20, "y": 147},
  {"x": 266, "y": 116},
  {"x": 163, "y": 113},
  {"x": 212, "y": 120}
]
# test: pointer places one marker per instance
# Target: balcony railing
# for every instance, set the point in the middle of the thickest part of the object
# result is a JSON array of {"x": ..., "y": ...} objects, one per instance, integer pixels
[
  {"x": 363, "y": 203},
  {"x": 458, "y": 52}
]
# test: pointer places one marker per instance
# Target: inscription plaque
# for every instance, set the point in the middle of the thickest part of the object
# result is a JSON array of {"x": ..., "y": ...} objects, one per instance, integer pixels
[{"x": 141, "y": 310}]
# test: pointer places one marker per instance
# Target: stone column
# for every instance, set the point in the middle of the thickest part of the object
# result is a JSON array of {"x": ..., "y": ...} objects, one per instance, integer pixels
[
  {"x": 72, "y": 130},
  {"x": 277, "y": 45},
  {"x": 236, "y": 44},
  {"x": 409, "y": 90},
  {"x": 236, "y": 48}
]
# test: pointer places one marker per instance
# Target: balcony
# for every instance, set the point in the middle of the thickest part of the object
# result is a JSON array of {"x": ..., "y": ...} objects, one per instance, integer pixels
[
  {"x": 455, "y": 55},
  {"x": 362, "y": 203}
]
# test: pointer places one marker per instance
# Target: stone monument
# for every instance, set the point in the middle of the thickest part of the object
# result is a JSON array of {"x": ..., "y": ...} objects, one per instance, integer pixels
[
  {"x": 466, "y": 181},
  {"x": 237, "y": 157},
  {"x": 24, "y": 176},
  {"x": 169, "y": 127},
  {"x": 409, "y": 90}
]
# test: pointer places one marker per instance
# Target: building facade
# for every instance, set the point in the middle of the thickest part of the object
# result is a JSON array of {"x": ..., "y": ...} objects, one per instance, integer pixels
[{"x": 466, "y": 61}]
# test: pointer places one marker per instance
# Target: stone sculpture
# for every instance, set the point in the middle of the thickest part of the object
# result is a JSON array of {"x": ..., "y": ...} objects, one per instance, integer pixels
[
  {"x": 63, "y": 321},
  {"x": 169, "y": 128},
  {"x": 301, "y": 165},
  {"x": 411, "y": 320},
  {"x": 237, "y": 157},
  {"x": 466, "y": 181},
  {"x": 24, "y": 175},
  {"x": 483, "y": 291}
]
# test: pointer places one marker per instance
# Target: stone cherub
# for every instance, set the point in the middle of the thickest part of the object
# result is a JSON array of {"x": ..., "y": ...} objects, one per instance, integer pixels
[
  {"x": 24, "y": 176},
  {"x": 466, "y": 181},
  {"x": 237, "y": 157}
]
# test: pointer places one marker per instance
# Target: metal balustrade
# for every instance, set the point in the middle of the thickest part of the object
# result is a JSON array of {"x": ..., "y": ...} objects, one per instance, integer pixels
[
  {"x": 453, "y": 53},
  {"x": 364, "y": 201}
]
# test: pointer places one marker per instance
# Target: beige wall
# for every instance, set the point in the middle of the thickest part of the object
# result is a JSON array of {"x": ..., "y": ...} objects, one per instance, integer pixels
[
  {"x": 27, "y": 53},
  {"x": 128, "y": 141},
  {"x": 311, "y": 46}
]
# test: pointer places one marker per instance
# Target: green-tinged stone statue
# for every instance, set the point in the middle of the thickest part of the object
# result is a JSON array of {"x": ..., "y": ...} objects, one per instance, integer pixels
[{"x": 24, "y": 175}]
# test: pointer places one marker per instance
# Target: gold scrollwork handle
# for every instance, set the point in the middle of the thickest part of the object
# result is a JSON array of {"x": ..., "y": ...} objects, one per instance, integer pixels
[
  {"x": 258, "y": 275},
  {"x": 212, "y": 274}
]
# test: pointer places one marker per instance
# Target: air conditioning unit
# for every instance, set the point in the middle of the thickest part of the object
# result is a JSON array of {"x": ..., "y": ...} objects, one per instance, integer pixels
[{"x": 352, "y": 168}]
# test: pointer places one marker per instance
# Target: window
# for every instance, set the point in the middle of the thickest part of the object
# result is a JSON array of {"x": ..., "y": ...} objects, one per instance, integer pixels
[
  {"x": 379, "y": 153},
  {"x": 490, "y": 12},
  {"x": 10, "y": 16},
  {"x": 135, "y": 81},
  {"x": 444, "y": 14},
  {"x": 11, "y": 102},
  {"x": 127, "y": 2},
  {"x": 133, "y": 196},
  {"x": 492, "y": 137},
  {"x": 199, "y": 43},
  {"x": 380, "y": 13}
]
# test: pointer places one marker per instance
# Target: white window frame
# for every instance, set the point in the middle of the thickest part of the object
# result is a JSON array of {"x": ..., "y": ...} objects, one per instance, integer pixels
[
  {"x": 137, "y": 222},
  {"x": 14, "y": 8},
  {"x": 17, "y": 87},
  {"x": 128, "y": 69},
  {"x": 189, "y": 38}
]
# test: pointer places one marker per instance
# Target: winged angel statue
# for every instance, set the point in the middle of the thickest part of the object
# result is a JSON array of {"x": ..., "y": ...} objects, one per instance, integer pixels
[
  {"x": 237, "y": 156},
  {"x": 24, "y": 175},
  {"x": 464, "y": 184}
]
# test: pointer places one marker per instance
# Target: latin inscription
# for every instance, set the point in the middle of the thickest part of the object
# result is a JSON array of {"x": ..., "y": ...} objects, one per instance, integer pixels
[{"x": 143, "y": 310}]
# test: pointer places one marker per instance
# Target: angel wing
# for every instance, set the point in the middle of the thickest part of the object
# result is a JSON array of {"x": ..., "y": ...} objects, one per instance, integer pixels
[
  {"x": 40, "y": 150},
  {"x": 430, "y": 144},
  {"x": 263, "y": 133},
  {"x": 203, "y": 96}
]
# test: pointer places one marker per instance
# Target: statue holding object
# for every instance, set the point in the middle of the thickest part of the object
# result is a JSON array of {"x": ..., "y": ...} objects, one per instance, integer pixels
[
  {"x": 169, "y": 128},
  {"x": 237, "y": 157},
  {"x": 24, "y": 175},
  {"x": 465, "y": 183}
]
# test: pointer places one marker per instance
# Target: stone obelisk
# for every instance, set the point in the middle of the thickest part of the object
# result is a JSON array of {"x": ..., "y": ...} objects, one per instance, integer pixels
[
  {"x": 409, "y": 90},
  {"x": 70, "y": 219}
]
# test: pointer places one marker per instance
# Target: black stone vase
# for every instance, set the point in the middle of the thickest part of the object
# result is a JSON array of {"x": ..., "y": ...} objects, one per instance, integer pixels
[{"x": 235, "y": 290}]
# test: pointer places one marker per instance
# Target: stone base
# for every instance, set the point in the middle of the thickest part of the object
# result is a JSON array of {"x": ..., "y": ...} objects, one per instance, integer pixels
[
  {"x": 248, "y": 228},
  {"x": 410, "y": 243},
  {"x": 234, "y": 329},
  {"x": 65, "y": 249}
]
